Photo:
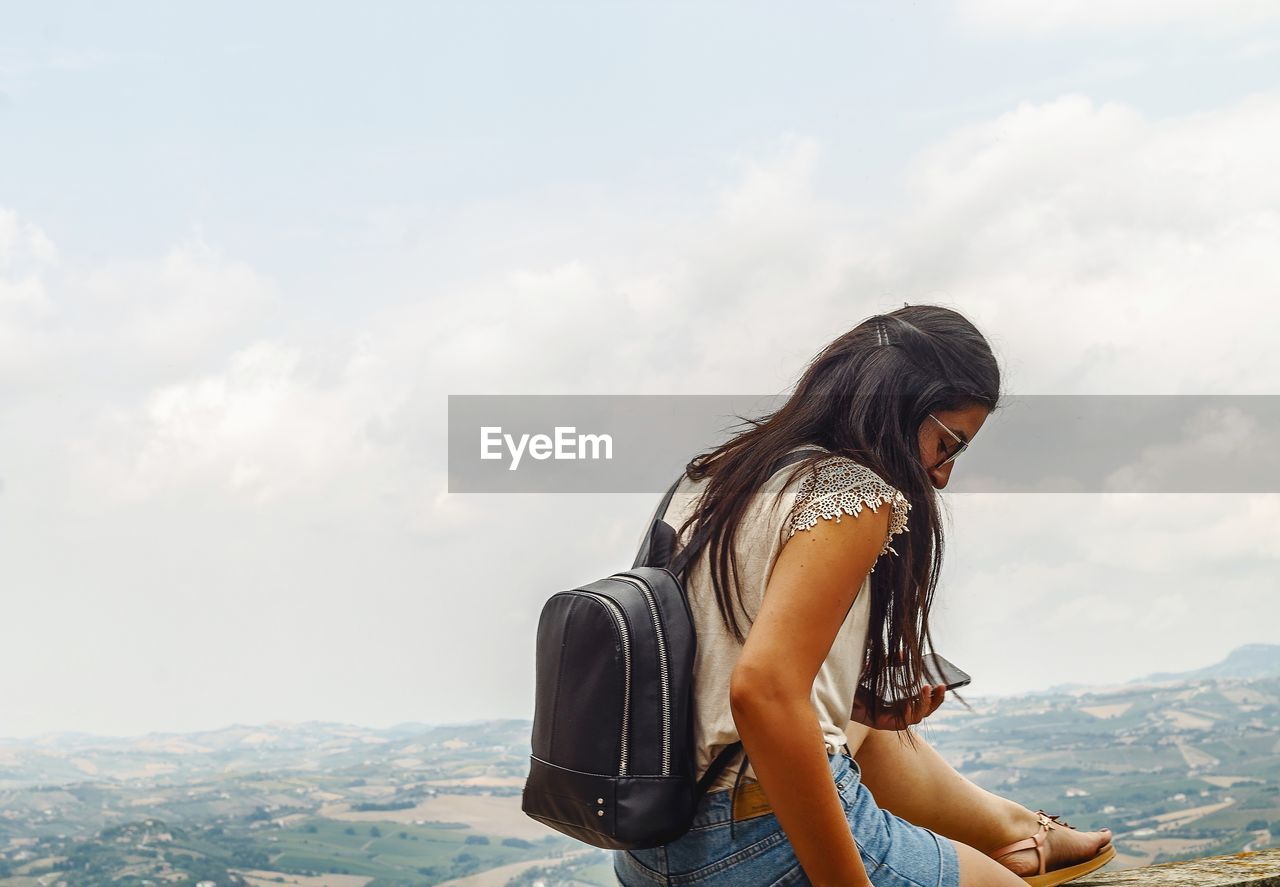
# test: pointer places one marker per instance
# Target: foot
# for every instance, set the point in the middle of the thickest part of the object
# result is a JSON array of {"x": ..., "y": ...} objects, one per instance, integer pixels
[{"x": 1061, "y": 845}]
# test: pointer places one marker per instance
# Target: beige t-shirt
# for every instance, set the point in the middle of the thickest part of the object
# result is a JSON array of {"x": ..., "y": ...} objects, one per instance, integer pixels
[{"x": 840, "y": 487}]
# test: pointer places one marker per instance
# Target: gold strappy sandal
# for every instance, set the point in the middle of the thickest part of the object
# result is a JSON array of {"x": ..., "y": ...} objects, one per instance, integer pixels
[{"x": 1057, "y": 876}]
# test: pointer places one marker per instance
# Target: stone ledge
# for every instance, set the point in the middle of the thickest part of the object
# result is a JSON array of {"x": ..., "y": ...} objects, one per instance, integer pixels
[{"x": 1258, "y": 869}]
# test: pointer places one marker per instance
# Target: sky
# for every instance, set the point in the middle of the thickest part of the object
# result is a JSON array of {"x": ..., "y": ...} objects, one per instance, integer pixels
[{"x": 247, "y": 252}]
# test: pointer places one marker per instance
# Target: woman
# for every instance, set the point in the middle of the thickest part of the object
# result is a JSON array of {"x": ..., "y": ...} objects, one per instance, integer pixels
[{"x": 835, "y": 788}]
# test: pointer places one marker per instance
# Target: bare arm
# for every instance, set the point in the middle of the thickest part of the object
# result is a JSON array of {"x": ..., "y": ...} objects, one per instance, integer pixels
[{"x": 814, "y": 582}]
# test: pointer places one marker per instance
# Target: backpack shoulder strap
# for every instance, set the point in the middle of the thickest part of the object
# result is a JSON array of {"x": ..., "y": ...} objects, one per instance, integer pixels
[
  {"x": 658, "y": 542},
  {"x": 694, "y": 548},
  {"x": 717, "y": 767}
]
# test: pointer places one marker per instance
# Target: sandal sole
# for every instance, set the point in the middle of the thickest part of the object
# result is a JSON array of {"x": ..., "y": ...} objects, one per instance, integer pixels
[{"x": 1070, "y": 873}]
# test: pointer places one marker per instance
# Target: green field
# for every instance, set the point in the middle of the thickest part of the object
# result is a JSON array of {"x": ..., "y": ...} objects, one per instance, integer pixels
[{"x": 1142, "y": 760}]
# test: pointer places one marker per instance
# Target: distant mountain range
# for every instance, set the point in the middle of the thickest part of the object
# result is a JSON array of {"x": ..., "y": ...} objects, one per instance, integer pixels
[
  {"x": 1242, "y": 663},
  {"x": 1249, "y": 661}
]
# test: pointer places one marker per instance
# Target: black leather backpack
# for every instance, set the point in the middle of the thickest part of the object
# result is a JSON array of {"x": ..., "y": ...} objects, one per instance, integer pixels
[{"x": 613, "y": 754}]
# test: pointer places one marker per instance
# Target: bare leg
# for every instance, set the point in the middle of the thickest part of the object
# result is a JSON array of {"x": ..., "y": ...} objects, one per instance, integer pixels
[
  {"x": 979, "y": 870},
  {"x": 921, "y": 787}
]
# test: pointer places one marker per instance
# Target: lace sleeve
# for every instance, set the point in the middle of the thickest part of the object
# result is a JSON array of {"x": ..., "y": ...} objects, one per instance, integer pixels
[{"x": 842, "y": 486}]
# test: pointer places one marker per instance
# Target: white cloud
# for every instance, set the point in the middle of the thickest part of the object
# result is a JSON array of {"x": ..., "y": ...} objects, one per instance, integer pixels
[
  {"x": 26, "y": 257},
  {"x": 23, "y": 241},
  {"x": 26, "y": 253},
  {"x": 263, "y": 428},
  {"x": 66, "y": 328},
  {"x": 1057, "y": 16},
  {"x": 1203, "y": 452},
  {"x": 1101, "y": 249},
  {"x": 1048, "y": 589},
  {"x": 1115, "y": 250},
  {"x": 185, "y": 304},
  {"x": 1259, "y": 49}
]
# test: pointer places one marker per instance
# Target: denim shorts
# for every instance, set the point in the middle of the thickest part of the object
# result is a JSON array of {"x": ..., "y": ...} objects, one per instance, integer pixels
[{"x": 894, "y": 852}]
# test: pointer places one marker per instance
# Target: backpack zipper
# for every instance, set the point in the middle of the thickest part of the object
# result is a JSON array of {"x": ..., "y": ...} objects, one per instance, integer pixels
[
  {"x": 663, "y": 675},
  {"x": 616, "y": 611}
]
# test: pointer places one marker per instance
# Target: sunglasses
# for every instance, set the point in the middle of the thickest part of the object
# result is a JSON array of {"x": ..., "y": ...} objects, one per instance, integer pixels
[{"x": 964, "y": 444}]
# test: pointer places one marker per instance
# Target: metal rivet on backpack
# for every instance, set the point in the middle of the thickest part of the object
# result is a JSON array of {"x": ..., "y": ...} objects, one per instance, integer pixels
[
  {"x": 599, "y": 800},
  {"x": 599, "y": 813}
]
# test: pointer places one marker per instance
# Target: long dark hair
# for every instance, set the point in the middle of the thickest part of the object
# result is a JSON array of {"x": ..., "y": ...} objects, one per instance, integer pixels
[{"x": 864, "y": 396}]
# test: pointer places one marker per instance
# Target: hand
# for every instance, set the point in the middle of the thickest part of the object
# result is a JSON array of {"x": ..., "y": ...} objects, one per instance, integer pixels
[{"x": 915, "y": 709}]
